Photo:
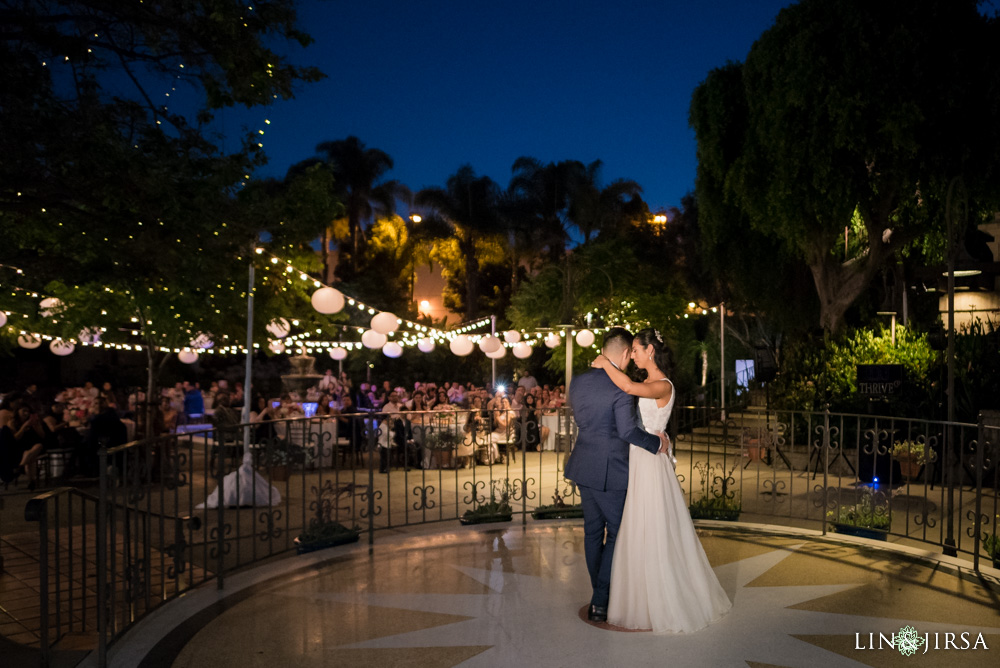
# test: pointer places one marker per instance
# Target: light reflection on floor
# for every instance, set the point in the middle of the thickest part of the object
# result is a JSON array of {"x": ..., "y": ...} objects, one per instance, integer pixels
[{"x": 510, "y": 596}]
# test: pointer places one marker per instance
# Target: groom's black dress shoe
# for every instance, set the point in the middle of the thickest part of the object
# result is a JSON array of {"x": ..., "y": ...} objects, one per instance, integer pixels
[{"x": 598, "y": 613}]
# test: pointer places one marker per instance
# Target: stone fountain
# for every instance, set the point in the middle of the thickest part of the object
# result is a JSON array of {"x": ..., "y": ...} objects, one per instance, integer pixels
[{"x": 303, "y": 375}]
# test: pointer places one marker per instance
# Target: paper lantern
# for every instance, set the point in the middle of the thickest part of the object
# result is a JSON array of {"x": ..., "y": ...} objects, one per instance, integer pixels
[
  {"x": 372, "y": 339},
  {"x": 512, "y": 336},
  {"x": 279, "y": 328},
  {"x": 489, "y": 344},
  {"x": 461, "y": 345},
  {"x": 499, "y": 353},
  {"x": 338, "y": 353},
  {"x": 61, "y": 348},
  {"x": 202, "y": 341},
  {"x": 328, "y": 300},
  {"x": 522, "y": 350},
  {"x": 29, "y": 341},
  {"x": 187, "y": 356},
  {"x": 552, "y": 340},
  {"x": 89, "y": 335},
  {"x": 276, "y": 347},
  {"x": 48, "y": 306},
  {"x": 392, "y": 349},
  {"x": 3, "y": 318},
  {"x": 385, "y": 322},
  {"x": 425, "y": 345},
  {"x": 585, "y": 338}
]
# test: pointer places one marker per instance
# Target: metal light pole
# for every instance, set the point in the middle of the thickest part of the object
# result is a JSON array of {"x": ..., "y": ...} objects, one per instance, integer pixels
[
  {"x": 955, "y": 207},
  {"x": 493, "y": 330},
  {"x": 569, "y": 357}
]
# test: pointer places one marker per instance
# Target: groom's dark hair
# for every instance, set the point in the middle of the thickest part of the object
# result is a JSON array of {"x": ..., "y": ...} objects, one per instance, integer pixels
[{"x": 616, "y": 339}]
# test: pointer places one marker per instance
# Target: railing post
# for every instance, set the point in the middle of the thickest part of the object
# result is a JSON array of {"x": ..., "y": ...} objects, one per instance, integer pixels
[
  {"x": 102, "y": 558},
  {"x": 981, "y": 444},
  {"x": 372, "y": 438},
  {"x": 43, "y": 585},
  {"x": 220, "y": 511},
  {"x": 826, "y": 463}
]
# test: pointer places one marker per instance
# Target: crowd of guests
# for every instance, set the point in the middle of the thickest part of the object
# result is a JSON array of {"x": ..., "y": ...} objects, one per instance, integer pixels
[{"x": 81, "y": 420}]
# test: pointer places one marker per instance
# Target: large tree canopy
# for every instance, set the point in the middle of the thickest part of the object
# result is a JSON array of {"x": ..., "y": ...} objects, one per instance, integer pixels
[
  {"x": 110, "y": 182},
  {"x": 849, "y": 109}
]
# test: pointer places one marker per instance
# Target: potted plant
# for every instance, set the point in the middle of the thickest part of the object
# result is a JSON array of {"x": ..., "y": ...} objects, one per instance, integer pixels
[
  {"x": 992, "y": 547},
  {"x": 280, "y": 455},
  {"x": 911, "y": 455},
  {"x": 866, "y": 518},
  {"x": 497, "y": 509},
  {"x": 716, "y": 504},
  {"x": 559, "y": 510},
  {"x": 323, "y": 530}
]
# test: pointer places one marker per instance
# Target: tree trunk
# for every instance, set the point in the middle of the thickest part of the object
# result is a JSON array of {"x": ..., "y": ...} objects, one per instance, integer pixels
[{"x": 839, "y": 284}]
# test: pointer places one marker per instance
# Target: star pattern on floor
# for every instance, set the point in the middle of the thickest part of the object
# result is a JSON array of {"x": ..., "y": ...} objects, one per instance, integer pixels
[{"x": 525, "y": 618}]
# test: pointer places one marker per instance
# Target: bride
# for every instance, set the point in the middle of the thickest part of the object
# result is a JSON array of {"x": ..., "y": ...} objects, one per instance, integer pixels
[{"x": 660, "y": 576}]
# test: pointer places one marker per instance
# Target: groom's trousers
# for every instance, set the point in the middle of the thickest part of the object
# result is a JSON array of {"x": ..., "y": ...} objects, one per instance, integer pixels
[{"x": 602, "y": 517}]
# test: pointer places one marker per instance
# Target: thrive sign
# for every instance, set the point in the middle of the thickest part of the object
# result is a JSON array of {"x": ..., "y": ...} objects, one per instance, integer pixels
[{"x": 880, "y": 380}]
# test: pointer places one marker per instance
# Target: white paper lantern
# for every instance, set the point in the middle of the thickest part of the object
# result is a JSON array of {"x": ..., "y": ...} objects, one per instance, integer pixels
[
  {"x": 328, "y": 300},
  {"x": 48, "y": 306},
  {"x": 512, "y": 336},
  {"x": 425, "y": 345},
  {"x": 29, "y": 341},
  {"x": 392, "y": 349},
  {"x": 489, "y": 344},
  {"x": 89, "y": 335},
  {"x": 552, "y": 340},
  {"x": 202, "y": 341},
  {"x": 461, "y": 345},
  {"x": 522, "y": 350},
  {"x": 373, "y": 339},
  {"x": 61, "y": 348},
  {"x": 498, "y": 354},
  {"x": 585, "y": 338},
  {"x": 3, "y": 318},
  {"x": 276, "y": 347},
  {"x": 385, "y": 322},
  {"x": 187, "y": 356},
  {"x": 279, "y": 328},
  {"x": 338, "y": 353}
]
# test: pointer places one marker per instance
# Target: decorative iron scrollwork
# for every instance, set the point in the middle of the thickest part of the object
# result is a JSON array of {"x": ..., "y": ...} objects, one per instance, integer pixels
[{"x": 424, "y": 503}]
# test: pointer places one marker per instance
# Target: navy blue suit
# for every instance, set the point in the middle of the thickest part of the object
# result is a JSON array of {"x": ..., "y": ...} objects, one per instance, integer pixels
[{"x": 605, "y": 417}]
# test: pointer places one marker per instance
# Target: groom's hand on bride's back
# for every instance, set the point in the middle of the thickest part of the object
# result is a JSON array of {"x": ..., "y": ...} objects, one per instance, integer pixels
[{"x": 664, "y": 442}]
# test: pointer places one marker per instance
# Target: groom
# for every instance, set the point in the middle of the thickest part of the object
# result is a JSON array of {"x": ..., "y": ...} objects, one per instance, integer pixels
[{"x": 605, "y": 417}]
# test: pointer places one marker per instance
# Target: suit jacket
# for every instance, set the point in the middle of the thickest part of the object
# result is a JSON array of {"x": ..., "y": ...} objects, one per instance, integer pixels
[{"x": 605, "y": 416}]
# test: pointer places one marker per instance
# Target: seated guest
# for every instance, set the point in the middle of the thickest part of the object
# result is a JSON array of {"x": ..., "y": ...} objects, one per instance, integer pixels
[
  {"x": 23, "y": 442},
  {"x": 166, "y": 417},
  {"x": 263, "y": 417},
  {"x": 194, "y": 404},
  {"x": 106, "y": 430}
]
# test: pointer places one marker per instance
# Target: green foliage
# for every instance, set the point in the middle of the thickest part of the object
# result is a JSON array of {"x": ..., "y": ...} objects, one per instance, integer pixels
[
  {"x": 812, "y": 376},
  {"x": 499, "y": 503},
  {"x": 866, "y": 514},
  {"x": 912, "y": 449}
]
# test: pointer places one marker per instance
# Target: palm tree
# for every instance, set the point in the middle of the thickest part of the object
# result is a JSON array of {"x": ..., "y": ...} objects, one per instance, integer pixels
[
  {"x": 594, "y": 209},
  {"x": 356, "y": 171},
  {"x": 469, "y": 206},
  {"x": 545, "y": 192}
]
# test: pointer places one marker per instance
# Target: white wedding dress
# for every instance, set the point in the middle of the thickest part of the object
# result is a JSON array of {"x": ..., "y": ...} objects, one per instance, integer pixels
[{"x": 660, "y": 577}]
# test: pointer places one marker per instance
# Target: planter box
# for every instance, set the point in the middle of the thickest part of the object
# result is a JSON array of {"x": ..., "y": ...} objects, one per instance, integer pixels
[
  {"x": 557, "y": 512},
  {"x": 707, "y": 514},
  {"x": 861, "y": 532},
  {"x": 343, "y": 539},
  {"x": 486, "y": 519}
]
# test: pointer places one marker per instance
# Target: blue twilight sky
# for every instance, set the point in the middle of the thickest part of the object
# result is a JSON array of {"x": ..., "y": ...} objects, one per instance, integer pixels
[{"x": 437, "y": 84}]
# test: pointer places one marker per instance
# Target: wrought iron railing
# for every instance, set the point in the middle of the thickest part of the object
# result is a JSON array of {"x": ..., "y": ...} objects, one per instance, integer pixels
[{"x": 152, "y": 532}]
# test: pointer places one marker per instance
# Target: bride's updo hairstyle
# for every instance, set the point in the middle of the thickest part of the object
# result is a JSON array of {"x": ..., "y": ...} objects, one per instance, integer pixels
[{"x": 662, "y": 356}]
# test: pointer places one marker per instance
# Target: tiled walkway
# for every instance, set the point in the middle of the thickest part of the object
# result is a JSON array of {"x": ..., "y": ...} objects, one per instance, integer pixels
[{"x": 446, "y": 596}]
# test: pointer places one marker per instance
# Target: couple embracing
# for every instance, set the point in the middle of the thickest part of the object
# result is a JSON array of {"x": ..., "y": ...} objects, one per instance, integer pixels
[{"x": 646, "y": 564}]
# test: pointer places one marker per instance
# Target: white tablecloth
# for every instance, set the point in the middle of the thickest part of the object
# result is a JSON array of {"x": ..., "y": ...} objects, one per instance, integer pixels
[{"x": 552, "y": 422}]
